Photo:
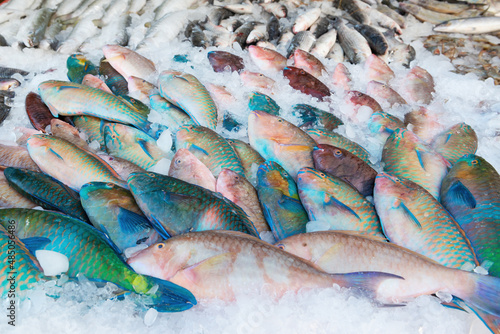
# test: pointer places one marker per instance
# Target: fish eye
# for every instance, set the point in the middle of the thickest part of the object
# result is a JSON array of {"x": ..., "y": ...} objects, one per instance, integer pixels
[
  {"x": 159, "y": 246},
  {"x": 109, "y": 184},
  {"x": 280, "y": 120},
  {"x": 474, "y": 162},
  {"x": 322, "y": 174},
  {"x": 178, "y": 161},
  {"x": 337, "y": 153},
  {"x": 113, "y": 136},
  {"x": 151, "y": 174},
  {"x": 281, "y": 246}
]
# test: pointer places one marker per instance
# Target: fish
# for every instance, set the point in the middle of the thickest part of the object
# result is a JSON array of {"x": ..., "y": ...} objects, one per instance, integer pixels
[
  {"x": 18, "y": 157},
  {"x": 399, "y": 52},
  {"x": 128, "y": 63},
  {"x": 331, "y": 200},
  {"x": 10, "y": 197},
  {"x": 196, "y": 35},
  {"x": 221, "y": 265},
  {"x": 113, "y": 211},
  {"x": 471, "y": 194},
  {"x": 306, "y": 61},
  {"x": 425, "y": 123},
  {"x": 375, "y": 39},
  {"x": 141, "y": 88},
  {"x": 222, "y": 61},
  {"x": 187, "y": 167},
  {"x": 355, "y": 46},
  {"x": 384, "y": 124},
  {"x": 121, "y": 166},
  {"x": 131, "y": 144},
  {"x": 171, "y": 116},
  {"x": 437, "y": 6},
  {"x": 306, "y": 19},
  {"x": 33, "y": 31},
  {"x": 186, "y": 92},
  {"x": 258, "y": 33},
  {"x": 241, "y": 192},
  {"x": 382, "y": 93},
  {"x": 312, "y": 117},
  {"x": 341, "y": 77},
  {"x": 412, "y": 218},
  {"x": 45, "y": 191},
  {"x": 469, "y": 25},
  {"x": 67, "y": 132},
  {"x": 20, "y": 268},
  {"x": 114, "y": 80},
  {"x": 345, "y": 165},
  {"x": 267, "y": 59},
  {"x": 70, "y": 99},
  {"x": 377, "y": 69},
  {"x": 306, "y": 83},
  {"x": 280, "y": 141},
  {"x": 78, "y": 66},
  {"x": 9, "y": 83},
  {"x": 68, "y": 163},
  {"x": 343, "y": 252},
  {"x": 241, "y": 34},
  {"x": 418, "y": 86},
  {"x": 356, "y": 100},
  {"x": 209, "y": 147},
  {"x": 93, "y": 81},
  {"x": 249, "y": 157},
  {"x": 38, "y": 113},
  {"x": 263, "y": 102},
  {"x": 93, "y": 255},
  {"x": 324, "y": 43},
  {"x": 457, "y": 141},
  {"x": 405, "y": 155},
  {"x": 175, "y": 207},
  {"x": 320, "y": 27},
  {"x": 91, "y": 127},
  {"x": 276, "y": 8},
  {"x": 337, "y": 140},
  {"x": 302, "y": 40},
  {"x": 50, "y": 41},
  {"x": 257, "y": 80},
  {"x": 280, "y": 201},
  {"x": 425, "y": 15}
]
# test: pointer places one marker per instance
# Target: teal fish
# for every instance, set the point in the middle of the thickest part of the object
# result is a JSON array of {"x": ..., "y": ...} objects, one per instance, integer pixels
[
  {"x": 456, "y": 142},
  {"x": 91, "y": 127},
  {"x": 383, "y": 124},
  {"x": 471, "y": 193},
  {"x": 259, "y": 101},
  {"x": 42, "y": 189},
  {"x": 93, "y": 255},
  {"x": 10, "y": 197},
  {"x": 188, "y": 93},
  {"x": 331, "y": 200},
  {"x": 280, "y": 141},
  {"x": 78, "y": 66},
  {"x": 337, "y": 140},
  {"x": 171, "y": 116},
  {"x": 412, "y": 218},
  {"x": 280, "y": 201},
  {"x": 248, "y": 156},
  {"x": 135, "y": 104},
  {"x": 68, "y": 163},
  {"x": 70, "y": 99},
  {"x": 113, "y": 211},
  {"x": 312, "y": 117},
  {"x": 114, "y": 80},
  {"x": 175, "y": 206},
  {"x": 209, "y": 147},
  {"x": 405, "y": 155},
  {"x": 19, "y": 269},
  {"x": 131, "y": 144}
]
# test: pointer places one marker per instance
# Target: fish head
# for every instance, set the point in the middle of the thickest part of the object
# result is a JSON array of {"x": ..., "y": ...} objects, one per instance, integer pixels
[
  {"x": 263, "y": 125},
  {"x": 159, "y": 260},
  {"x": 470, "y": 166},
  {"x": 115, "y": 53},
  {"x": 94, "y": 190},
  {"x": 228, "y": 180},
  {"x": 297, "y": 245},
  {"x": 76, "y": 60},
  {"x": 271, "y": 175},
  {"x": 114, "y": 136},
  {"x": 391, "y": 190},
  {"x": 332, "y": 158},
  {"x": 182, "y": 160}
]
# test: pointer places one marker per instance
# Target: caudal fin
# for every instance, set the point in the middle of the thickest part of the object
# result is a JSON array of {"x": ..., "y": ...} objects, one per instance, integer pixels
[
  {"x": 486, "y": 295},
  {"x": 171, "y": 297},
  {"x": 367, "y": 282}
]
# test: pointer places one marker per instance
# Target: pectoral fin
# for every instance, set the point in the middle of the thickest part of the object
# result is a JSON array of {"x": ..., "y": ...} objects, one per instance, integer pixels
[
  {"x": 458, "y": 194},
  {"x": 330, "y": 200}
]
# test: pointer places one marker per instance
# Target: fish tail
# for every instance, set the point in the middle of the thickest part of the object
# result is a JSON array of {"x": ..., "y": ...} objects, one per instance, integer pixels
[
  {"x": 485, "y": 296},
  {"x": 170, "y": 297},
  {"x": 367, "y": 282}
]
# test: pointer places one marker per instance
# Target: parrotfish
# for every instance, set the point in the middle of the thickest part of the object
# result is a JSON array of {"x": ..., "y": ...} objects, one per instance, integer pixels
[
  {"x": 343, "y": 164},
  {"x": 240, "y": 191},
  {"x": 128, "y": 63},
  {"x": 222, "y": 264},
  {"x": 312, "y": 117},
  {"x": 257, "y": 80},
  {"x": 224, "y": 61},
  {"x": 17, "y": 156},
  {"x": 131, "y": 144},
  {"x": 418, "y": 86},
  {"x": 280, "y": 201},
  {"x": 91, "y": 127},
  {"x": 93, "y": 81},
  {"x": 174, "y": 206},
  {"x": 456, "y": 142},
  {"x": 377, "y": 69},
  {"x": 121, "y": 166},
  {"x": 38, "y": 113},
  {"x": 248, "y": 156},
  {"x": 208, "y": 146},
  {"x": 78, "y": 66},
  {"x": 171, "y": 116},
  {"x": 259, "y": 101},
  {"x": 383, "y": 124},
  {"x": 187, "y": 167},
  {"x": 93, "y": 255},
  {"x": 305, "y": 82},
  {"x": 267, "y": 59},
  {"x": 113, "y": 79},
  {"x": 343, "y": 252},
  {"x": 405, "y": 155},
  {"x": 46, "y": 192},
  {"x": 68, "y": 163},
  {"x": 141, "y": 88},
  {"x": 341, "y": 77},
  {"x": 67, "y": 132},
  {"x": 330, "y": 200},
  {"x": 113, "y": 211},
  {"x": 67, "y": 98},
  {"x": 357, "y": 100},
  {"x": 280, "y": 141},
  {"x": 471, "y": 193},
  {"x": 10, "y": 197},
  {"x": 425, "y": 123},
  {"x": 337, "y": 140},
  {"x": 18, "y": 267},
  {"x": 188, "y": 93},
  {"x": 414, "y": 219},
  {"x": 383, "y": 93},
  {"x": 306, "y": 61}
]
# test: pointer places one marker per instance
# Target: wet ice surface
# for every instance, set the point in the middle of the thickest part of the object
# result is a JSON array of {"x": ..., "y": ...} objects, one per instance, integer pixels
[{"x": 88, "y": 310}]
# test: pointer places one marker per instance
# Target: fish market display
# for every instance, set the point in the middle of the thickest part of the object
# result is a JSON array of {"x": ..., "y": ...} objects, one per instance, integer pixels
[{"x": 204, "y": 155}]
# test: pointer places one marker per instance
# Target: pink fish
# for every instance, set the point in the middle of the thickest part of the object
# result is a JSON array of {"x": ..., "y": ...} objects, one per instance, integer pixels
[{"x": 187, "y": 167}]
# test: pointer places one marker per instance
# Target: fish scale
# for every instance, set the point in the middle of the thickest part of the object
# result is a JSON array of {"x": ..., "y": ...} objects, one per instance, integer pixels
[
  {"x": 471, "y": 193},
  {"x": 329, "y": 199},
  {"x": 456, "y": 142},
  {"x": 210, "y": 148},
  {"x": 412, "y": 218},
  {"x": 334, "y": 139},
  {"x": 247, "y": 154},
  {"x": 70, "y": 99}
]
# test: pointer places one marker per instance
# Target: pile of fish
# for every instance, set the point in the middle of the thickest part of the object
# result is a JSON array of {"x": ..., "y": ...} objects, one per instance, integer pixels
[{"x": 295, "y": 205}]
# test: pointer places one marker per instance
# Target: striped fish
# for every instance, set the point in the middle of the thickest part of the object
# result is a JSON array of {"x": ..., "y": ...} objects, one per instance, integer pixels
[
  {"x": 456, "y": 142},
  {"x": 17, "y": 156},
  {"x": 337, "y": 140},
  {"x": 248, "y": 156},
  {"x": 91, "y": 127}
]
